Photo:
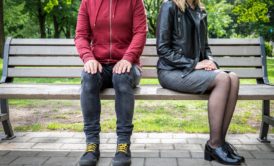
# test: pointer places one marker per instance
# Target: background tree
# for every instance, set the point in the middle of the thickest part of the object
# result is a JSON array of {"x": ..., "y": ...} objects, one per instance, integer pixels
[
  {"x": 63, "y": 15},
  {"x": 2, "y": 35},
  {"x": 219, "y": 20},
  {"x": 35, "y": 11},
  {"x": 152, "y": 10},
  {"x": 57, "y": 18},
  {"x": 18, "y": 23},
  {"x": 254, "y": 18}
]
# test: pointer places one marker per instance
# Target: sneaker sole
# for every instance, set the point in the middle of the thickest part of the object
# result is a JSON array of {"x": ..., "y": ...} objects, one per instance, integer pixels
[
  {"x": 117, "y": 163},
  {"x": 83, "y": 163}
]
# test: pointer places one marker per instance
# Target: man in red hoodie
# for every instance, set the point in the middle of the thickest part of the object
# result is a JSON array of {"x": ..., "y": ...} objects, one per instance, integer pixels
[{"x": 110, "y": 37}]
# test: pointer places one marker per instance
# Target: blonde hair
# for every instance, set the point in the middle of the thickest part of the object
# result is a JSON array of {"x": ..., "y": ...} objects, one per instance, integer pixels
[{"x": 182, "y": 4}]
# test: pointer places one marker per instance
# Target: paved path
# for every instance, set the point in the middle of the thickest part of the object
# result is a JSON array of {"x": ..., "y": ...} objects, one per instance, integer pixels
[{"x": 148, "y": 149}]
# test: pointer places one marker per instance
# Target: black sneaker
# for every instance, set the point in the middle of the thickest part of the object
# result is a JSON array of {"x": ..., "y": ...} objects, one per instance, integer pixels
[
  {"x": 122, "y": 156},
  {"x": 91, "y": 156}
]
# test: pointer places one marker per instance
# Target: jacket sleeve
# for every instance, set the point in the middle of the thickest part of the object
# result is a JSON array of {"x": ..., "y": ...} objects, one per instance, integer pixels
[
  {"x": 83, "y": 35},
  {"x": 208, "y": 53},
  {"x": 138, "y": 41},
  {"x": 164, "y": 38}
]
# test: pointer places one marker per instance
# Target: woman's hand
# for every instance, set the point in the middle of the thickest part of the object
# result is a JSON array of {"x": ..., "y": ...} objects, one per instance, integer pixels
[
  {"x": 200, "y": 65},
  {"x": 209, "y": 65},
  {"x": 206, "y": 65}
]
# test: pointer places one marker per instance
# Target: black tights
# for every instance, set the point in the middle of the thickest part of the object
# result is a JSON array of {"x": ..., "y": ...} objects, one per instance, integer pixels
[{"x": 221, "y": 105}]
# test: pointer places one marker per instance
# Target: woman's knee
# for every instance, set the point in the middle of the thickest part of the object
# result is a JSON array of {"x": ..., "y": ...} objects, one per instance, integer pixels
[
  {"x": 234, "y": 78},
  {"x": 223, "y": 78}
]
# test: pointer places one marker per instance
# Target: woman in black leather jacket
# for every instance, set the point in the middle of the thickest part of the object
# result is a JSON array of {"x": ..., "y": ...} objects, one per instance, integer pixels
[{"x": 185, "y": 65}]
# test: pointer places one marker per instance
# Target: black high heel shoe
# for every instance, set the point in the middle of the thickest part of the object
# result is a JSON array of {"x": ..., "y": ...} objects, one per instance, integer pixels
[
  {"x": 220, "y": 154},
  {"x": 233, "y": 152}
]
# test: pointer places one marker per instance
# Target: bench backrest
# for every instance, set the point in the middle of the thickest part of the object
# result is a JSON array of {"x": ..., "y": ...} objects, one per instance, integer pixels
[{"x": 58, "y": 58}]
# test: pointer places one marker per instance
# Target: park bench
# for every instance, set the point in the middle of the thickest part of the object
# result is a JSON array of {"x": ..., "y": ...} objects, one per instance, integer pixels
[{"x": 58, "y": 58}]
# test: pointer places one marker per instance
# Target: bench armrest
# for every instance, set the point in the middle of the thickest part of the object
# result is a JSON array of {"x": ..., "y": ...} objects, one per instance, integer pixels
[
  {"x": 269, "y": 84},
  {"x": 2, "y": 81}
]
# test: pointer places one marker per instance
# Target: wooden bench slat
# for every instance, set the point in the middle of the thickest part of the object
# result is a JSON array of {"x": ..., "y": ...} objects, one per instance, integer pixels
[
  {"x": 148, "y": 50},
  {"x": 75, "y": 72},
  {"x": 244, "y": 73},
  {"x": 70, "y": 42},
  {"x": 145, "y": 61},
  {"x": 238, "y": 61},
  {"x": 43, "y": 50},
  {"x": 150, "y": 92},
  {"x": 45, "y": 61}
]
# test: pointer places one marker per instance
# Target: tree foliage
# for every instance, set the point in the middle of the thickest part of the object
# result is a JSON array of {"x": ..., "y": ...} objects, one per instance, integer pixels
[
  {"x": 251, "y": 11},
  {"x": 219, "y": 20},
  {"x": 2, "y": 36},
  {"x": 63, "y": 15},
  {"x": 152, "y": 10},
  {"x": 57, "y": 18},
  {"x": 17, "y": 22},
  {"x": 255, "y": 18},
  {"x": 54, "y": 18}
]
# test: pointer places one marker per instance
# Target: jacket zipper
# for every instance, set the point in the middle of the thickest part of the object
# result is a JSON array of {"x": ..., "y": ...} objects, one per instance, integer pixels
[
  {"x": 110, "y": 30},
  {"x": 179, "y": 26}
]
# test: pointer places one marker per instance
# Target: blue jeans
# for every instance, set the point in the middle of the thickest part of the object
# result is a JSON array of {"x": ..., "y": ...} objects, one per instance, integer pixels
[{"x": 92, "y": 84}]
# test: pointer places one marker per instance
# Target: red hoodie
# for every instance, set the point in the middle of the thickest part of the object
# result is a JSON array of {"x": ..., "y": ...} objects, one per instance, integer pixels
[{"x": 116, "y": 28}]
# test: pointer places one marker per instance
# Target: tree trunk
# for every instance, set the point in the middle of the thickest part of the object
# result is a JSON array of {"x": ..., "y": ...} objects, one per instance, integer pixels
[
  {"x": 68, "y": 31},
  {"x": 2, "y": 35},
  {"x": 57, "y": 31},
  {"x": 42, "y": 20}
]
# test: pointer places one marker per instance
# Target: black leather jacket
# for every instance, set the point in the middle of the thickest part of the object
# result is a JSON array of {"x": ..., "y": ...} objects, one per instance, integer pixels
[{"x": 180, "y": 45}]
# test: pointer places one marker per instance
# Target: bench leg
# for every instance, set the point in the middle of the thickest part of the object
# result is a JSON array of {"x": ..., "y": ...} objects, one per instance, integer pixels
[
  {"x": 6, "y": 122},
  {"x": 264, "y": 124}
]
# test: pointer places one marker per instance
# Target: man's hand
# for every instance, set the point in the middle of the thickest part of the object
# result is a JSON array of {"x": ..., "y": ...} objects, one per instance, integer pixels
[
  {"x": 93, "y": 66},
  {"x": 122, "y": 66}
]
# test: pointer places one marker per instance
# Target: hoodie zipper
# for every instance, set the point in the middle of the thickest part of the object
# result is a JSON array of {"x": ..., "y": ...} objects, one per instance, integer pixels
[{"x": 110, "y": 30}]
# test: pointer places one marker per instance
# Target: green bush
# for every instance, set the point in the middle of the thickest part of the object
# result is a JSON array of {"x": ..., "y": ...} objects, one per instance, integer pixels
[{"x": 269, "y": 49}]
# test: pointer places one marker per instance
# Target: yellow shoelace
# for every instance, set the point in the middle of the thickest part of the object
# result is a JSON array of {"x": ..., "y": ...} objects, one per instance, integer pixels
[
  {"x": 91, "y": 148},
  {"x": 122, "y": 148}
]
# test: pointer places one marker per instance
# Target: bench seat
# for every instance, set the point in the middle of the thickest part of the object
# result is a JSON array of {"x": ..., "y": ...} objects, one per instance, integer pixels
[{"x": 142, "y": 92}]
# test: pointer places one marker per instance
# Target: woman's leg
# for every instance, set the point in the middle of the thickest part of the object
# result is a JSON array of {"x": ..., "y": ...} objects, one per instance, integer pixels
[
  {"x": 231, "y": 102},
  {"x": 217, "y": 103}
]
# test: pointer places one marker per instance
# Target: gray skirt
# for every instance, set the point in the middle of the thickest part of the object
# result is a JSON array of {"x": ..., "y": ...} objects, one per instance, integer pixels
[{"x": 196, "y": 82}]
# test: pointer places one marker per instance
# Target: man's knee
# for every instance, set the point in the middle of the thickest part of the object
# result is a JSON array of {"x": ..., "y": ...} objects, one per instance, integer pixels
[
  {"x": 90, "y": 82},
  {"x": 121, "y": 82}
]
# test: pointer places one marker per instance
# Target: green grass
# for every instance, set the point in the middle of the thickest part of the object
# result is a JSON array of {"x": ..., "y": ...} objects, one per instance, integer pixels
[
  {"x": 60, "y": 126},
  {"x": 157, "y": 116},
  {"x": 270, "y": 69},
  {"x": 150, "y": 116},
  {"x": 32, "y": 127}
]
